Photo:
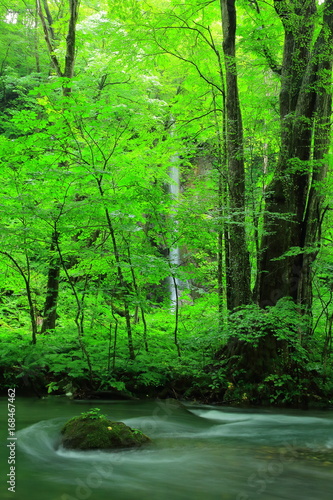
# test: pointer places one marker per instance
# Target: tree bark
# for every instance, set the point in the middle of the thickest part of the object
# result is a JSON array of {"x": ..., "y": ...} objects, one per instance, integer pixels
[
  {"x": 51, "y": 300},
  {"x": 50, "y": 38},
  {"x": 294, "y": 206},
  {"x": 238, "y": 271},
  {"x": 71, "y": 38}
]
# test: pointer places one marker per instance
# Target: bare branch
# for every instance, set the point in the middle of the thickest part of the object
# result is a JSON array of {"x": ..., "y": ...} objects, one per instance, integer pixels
[{"x": 186, "y": 122}]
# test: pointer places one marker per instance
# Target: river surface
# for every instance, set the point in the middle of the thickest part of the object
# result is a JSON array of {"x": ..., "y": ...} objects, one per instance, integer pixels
[{"x": 198, "y": 453}]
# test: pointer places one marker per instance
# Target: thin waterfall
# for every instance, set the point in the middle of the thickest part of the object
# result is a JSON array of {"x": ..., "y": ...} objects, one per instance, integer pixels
[{"x": 174, "y": 253}]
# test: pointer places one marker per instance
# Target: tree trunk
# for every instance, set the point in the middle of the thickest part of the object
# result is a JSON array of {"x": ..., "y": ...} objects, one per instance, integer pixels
[
  {"x": 238, "y": 272},
  {"x": 51, "y": 300},
  {"x": 50, "y": 37},
  {"x": 50, "y": 306},
  {"x": 294, "y": 206}
]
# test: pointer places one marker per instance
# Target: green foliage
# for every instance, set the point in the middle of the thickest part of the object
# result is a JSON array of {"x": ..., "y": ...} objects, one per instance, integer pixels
[
  {"x": 283, "y": 368},
  {"x": 85, "y": 191},
  {"x": 93, "y": 414},
  {"x": 52, "y": 386},
  {"x": 282, "y": 321}
]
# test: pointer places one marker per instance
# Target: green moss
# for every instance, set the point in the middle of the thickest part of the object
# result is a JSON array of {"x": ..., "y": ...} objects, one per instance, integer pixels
[{"x": 84, "y": 433}]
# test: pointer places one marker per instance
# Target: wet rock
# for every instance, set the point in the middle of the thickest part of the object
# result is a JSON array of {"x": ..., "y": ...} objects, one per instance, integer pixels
[{"x": 87, "y": 433}]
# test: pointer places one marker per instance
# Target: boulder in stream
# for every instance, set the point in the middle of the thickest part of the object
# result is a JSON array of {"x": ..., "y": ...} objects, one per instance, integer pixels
[{"x": 93, "y": 431}]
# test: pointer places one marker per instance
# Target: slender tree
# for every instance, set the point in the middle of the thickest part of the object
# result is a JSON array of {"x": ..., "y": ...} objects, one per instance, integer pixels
[
  {"x": 50, "y": 306},
  {"x": 238, "y": 263},
  {"x": 52, "y": 288}
]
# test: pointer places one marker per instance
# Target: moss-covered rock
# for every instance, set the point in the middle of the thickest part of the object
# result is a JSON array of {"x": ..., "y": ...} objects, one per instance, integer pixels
[{"x": 87, "y": 433}]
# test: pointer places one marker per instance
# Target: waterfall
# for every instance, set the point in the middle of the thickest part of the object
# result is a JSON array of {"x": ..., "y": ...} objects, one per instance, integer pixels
[
  {"x": 174, "y": 175},
  {"x": 174, "y": 253}
]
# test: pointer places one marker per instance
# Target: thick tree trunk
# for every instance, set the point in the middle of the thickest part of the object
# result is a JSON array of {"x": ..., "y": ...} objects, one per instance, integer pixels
[
  {"x": 238, "y": 272},
  {"x": 294, "y": 204}
]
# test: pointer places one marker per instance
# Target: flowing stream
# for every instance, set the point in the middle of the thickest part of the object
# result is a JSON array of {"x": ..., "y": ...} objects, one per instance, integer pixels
[{"x": 198, "y": 453}]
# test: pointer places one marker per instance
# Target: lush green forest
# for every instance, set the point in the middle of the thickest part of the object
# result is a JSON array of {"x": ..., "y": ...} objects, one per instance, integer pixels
[{"x": 166, "y": 199}]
